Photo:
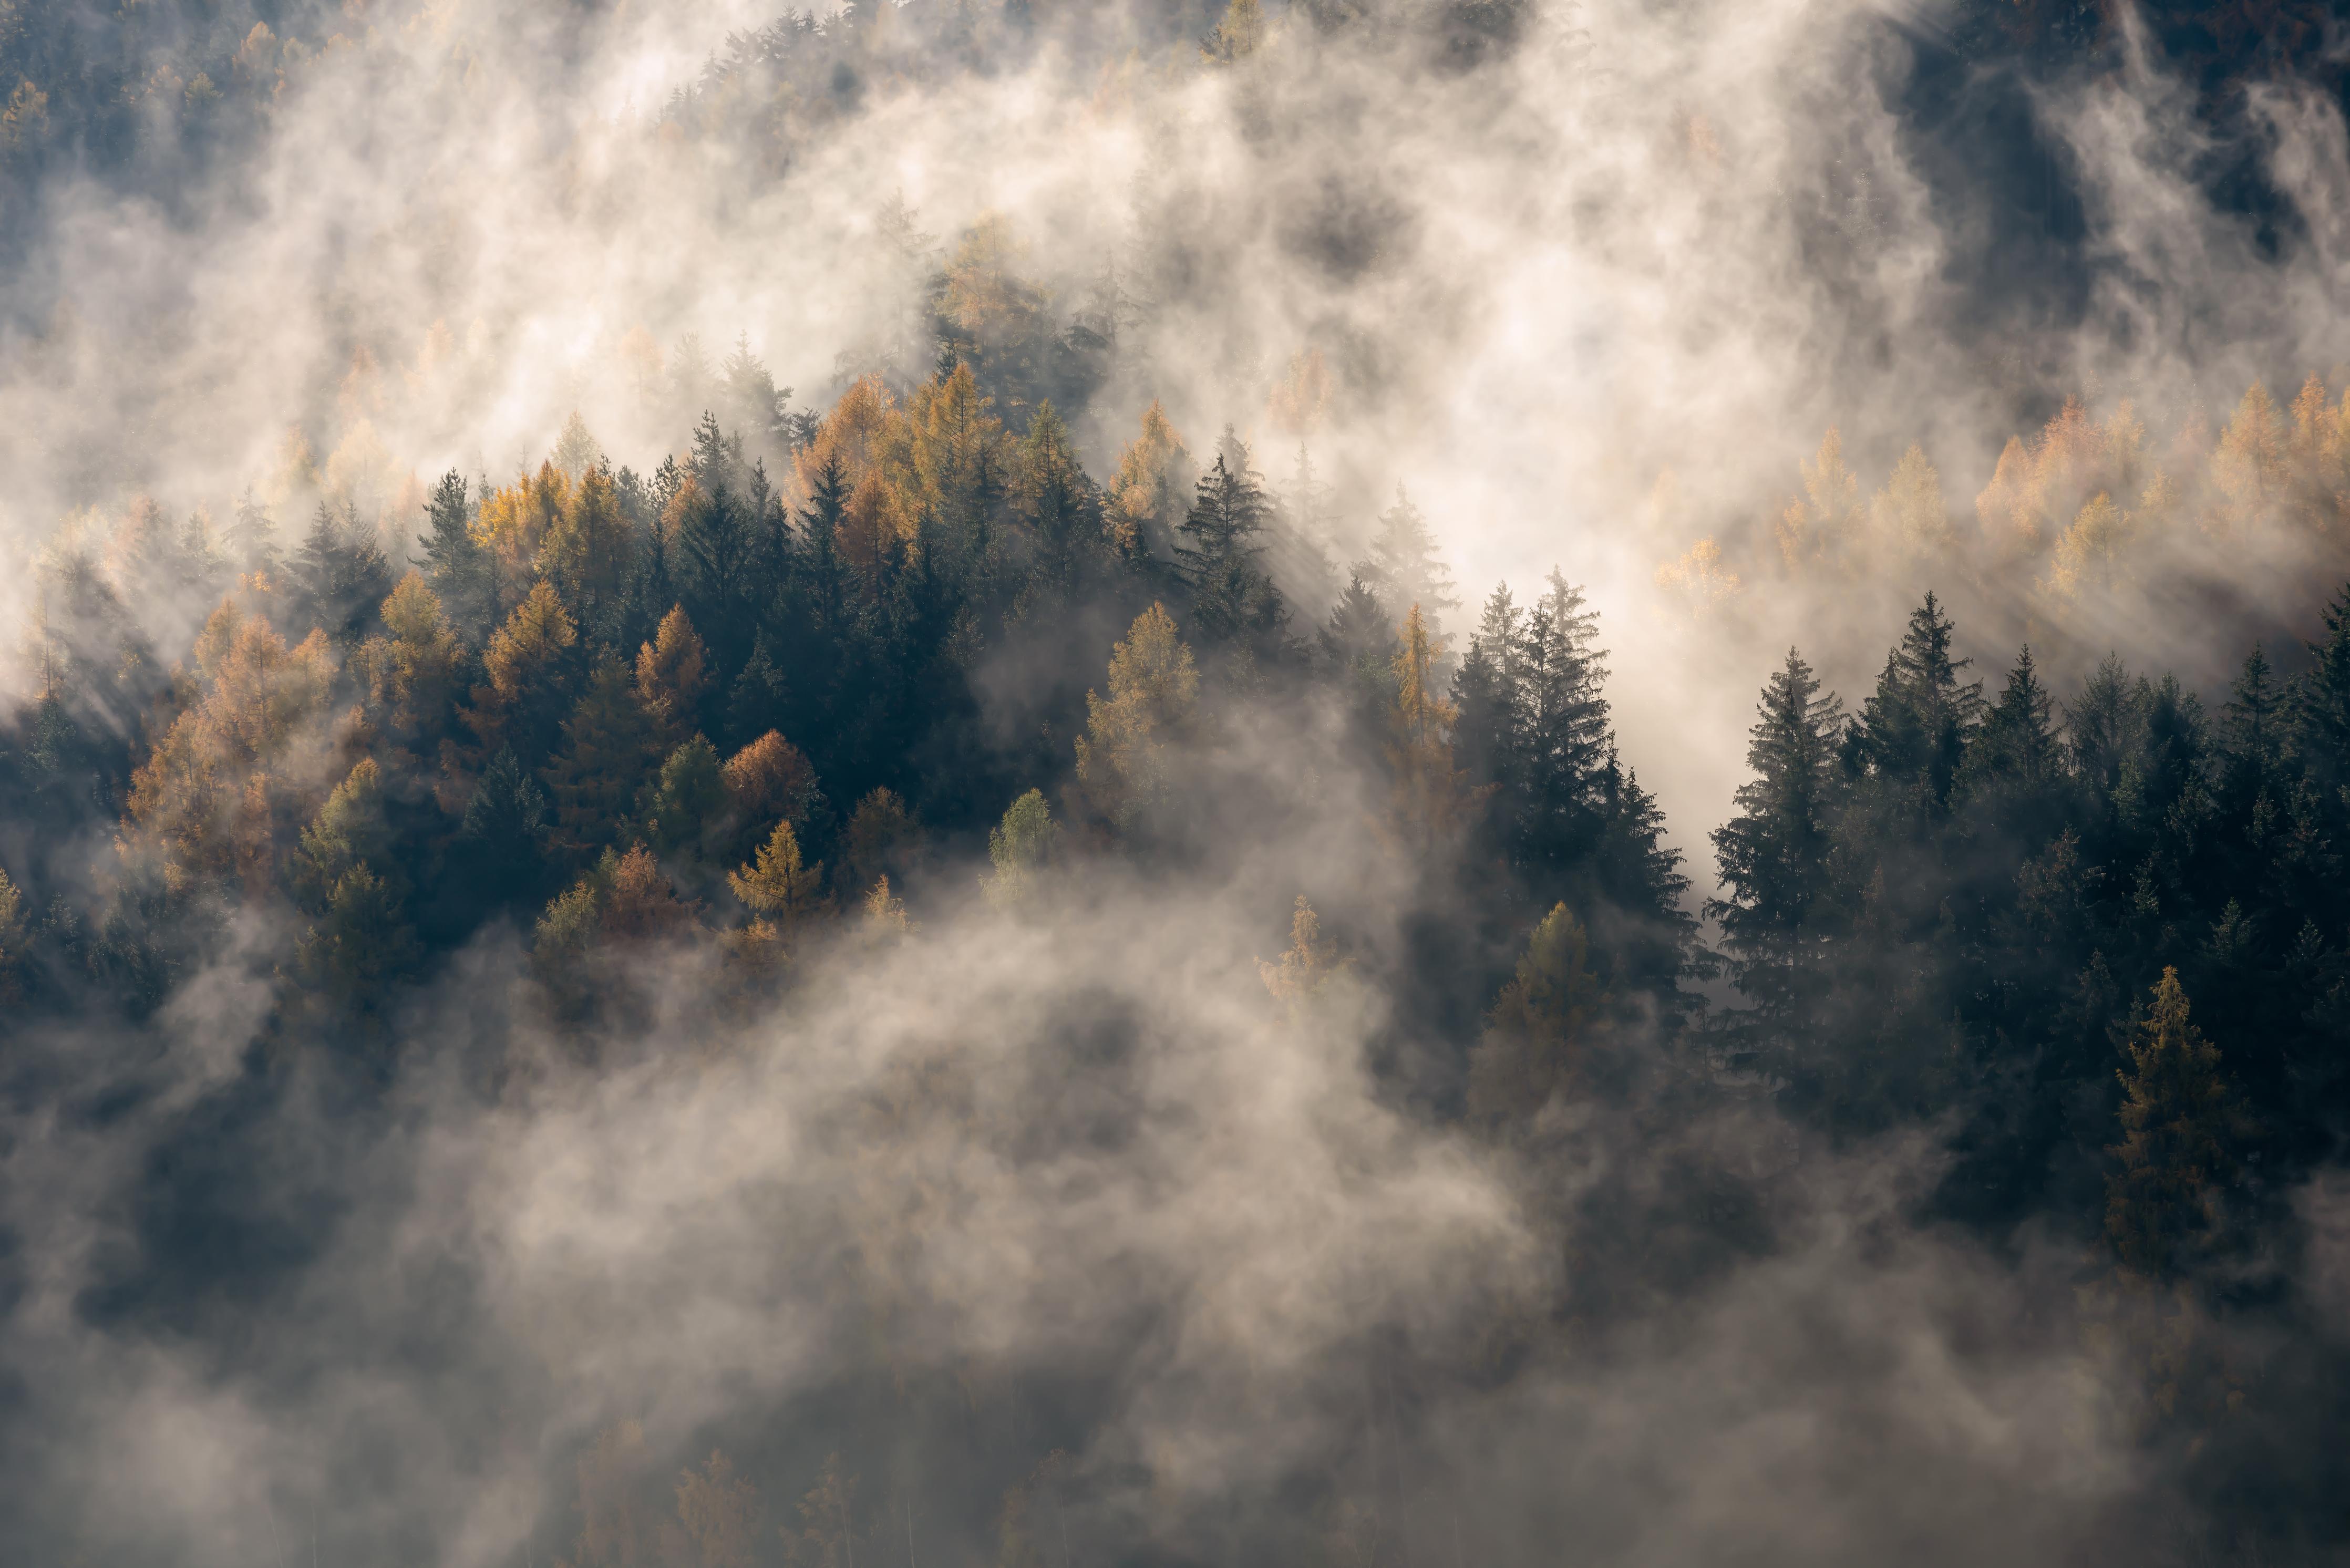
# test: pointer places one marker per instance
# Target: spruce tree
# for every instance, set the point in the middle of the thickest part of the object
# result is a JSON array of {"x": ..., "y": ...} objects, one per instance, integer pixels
[
  {"x": 1234, "y": 606},
  {"x": 504, "y": 835},
  {"x": 1774, "y": 854},
  {"x": 1405, "y": 568},
  {"x": 339, "y": 575}
]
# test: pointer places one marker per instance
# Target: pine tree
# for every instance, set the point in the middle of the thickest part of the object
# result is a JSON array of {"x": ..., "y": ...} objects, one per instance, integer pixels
[
  {"x": 2163, "y": 1204},
  {"x": 454, "y": 564}
]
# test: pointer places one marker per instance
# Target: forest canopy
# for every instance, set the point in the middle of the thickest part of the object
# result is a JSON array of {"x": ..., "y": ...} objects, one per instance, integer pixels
[{"x": 985, "y": 782}]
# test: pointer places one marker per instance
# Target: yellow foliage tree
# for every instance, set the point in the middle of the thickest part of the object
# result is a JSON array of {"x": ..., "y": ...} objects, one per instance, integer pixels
[
  {"x": 1146, "y": 498},
  {"x": 1154, "y": 688},
  {"x": 1302, "y": 973},
  {"x": 412, "y": 671},
  {"x": 780, "y": 884},
  {"x": 1429, "y": 790},
  {"x": 233, "y": 773},
  {"x": 1820, "y": 524},
  {"x": 1549, "y": 1029},
  {"x": 672, "y": 673}
]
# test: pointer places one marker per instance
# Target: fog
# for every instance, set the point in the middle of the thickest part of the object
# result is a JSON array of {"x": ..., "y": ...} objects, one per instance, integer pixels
[{"x": 1064, "y": 1178}]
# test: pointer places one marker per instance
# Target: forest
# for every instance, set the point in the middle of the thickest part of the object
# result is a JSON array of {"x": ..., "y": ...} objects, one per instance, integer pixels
[{"x": 1011, "y": 961}]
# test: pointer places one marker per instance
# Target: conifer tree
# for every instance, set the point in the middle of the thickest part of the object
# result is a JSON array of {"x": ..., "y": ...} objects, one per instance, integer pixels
[
  {"x": 1305, "y": 970},
  {"x": 1563, "y": 742},
  {"x": 414, "y": 672},
  {"x": 1548, "y": 1031},
  {"x": 1153, "y": 690},
  {"x": 16, "y": 947},
  {"x": 252, "y": 539},
  {"x": 1404, "y": 568},
  {"x": 1146, "y": 498},
  {"x": 2163, "y": 1204},
  {"x": 529, "y": 666},
  {"x": 686, "y": 804},
  {"x": 1051, "y": 498},
  {"x": 2320, "y": 713},
  {"x": 755, "y": 701},
  {"x": 781, "y": 884},
  {"x": 1234, "y": 605},
  {"x": 719, "y": 1510},
  {"x": 1488, "y": 697},
  {"x": 1913, "y": 731},
  {"x": 1774, "y": 855},
  {"x": 881, "y": 836},
  {"x": 360, "y": 943},
  {"x": 611, "y": 741},
  {"x": 589, "y": 553},
  {"x": 504, "y": 834},
  {"x": 339, "y": 575},
  {"x": 576, "y": 452},
  {"x": 1429, "y": 792},
  {"x": 885, "y": 914},
  {"x": 1020, "y": 847},
  {"x": 672, "y": 673}
]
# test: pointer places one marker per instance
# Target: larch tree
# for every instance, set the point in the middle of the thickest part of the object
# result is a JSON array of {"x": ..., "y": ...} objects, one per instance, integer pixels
[
  {"x": 719, "y": 1510},
  {"x": 780, "y": 886},
  {"x": 528, "y": 664},
  {"x": 1154, "y": 690},
  {"x": 1022, "y": 847},
  {"x": 1549, "y": 1032},
  {"x": 1306, "y": 969},
  {"x": 1146, "y": 498},
  {"x": 672, "y": 674},
  {"x": 1429, "y": 790}
]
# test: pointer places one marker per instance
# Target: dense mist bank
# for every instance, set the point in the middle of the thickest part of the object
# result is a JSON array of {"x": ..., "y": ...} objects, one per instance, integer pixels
[{"x": 762, "y": 799}]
